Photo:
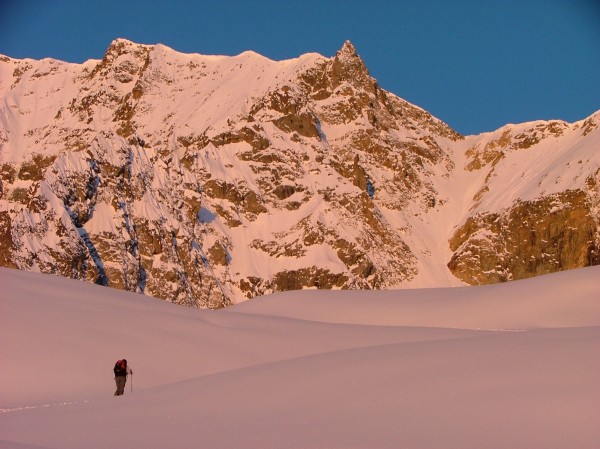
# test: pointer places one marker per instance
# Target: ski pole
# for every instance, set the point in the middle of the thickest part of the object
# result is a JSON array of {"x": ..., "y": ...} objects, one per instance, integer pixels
[{"x": 131, "y": 385}]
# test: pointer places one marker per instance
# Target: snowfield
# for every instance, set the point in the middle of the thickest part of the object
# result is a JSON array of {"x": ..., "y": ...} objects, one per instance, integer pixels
[{"x": 504, "y": 366}]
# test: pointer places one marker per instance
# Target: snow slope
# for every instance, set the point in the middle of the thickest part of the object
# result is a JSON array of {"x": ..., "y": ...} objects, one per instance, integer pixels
[{"x": 510, "y": 365}]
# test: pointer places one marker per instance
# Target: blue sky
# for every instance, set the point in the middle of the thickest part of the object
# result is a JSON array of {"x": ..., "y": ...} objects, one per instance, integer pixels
[{"x": 475, "y": 64}]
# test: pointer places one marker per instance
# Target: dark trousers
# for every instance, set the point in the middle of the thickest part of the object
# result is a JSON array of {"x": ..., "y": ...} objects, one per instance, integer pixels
[{"x": 120, "y": 380}]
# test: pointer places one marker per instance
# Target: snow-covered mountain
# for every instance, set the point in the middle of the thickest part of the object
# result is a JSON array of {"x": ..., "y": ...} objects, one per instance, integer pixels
[{"x": 207, "y": 180}]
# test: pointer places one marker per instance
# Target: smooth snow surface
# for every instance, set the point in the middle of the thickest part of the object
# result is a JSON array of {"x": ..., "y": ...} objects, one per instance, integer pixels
[{"x": 505, "y": 366}]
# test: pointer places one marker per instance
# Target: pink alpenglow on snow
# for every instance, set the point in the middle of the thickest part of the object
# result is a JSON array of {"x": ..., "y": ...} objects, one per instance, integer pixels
[{"x": 511, "y": 365}]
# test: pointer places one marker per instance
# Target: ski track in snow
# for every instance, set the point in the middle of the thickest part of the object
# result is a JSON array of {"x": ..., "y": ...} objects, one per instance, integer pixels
[{"x": 31, "y": 407}]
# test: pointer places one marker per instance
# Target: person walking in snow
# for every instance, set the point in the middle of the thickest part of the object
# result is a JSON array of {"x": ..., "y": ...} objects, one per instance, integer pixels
[{"x": 121, "y": 370}]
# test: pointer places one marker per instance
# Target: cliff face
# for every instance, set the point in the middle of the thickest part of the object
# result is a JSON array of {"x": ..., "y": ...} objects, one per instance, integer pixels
[
  {"x": 537, "y": 210},
  {"x": 207, "y": 180},
  {"x": 554, "y": 233}
]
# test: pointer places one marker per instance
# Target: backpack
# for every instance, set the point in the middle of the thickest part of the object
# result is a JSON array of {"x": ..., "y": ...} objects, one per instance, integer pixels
[{"x": 120, "y": 368}]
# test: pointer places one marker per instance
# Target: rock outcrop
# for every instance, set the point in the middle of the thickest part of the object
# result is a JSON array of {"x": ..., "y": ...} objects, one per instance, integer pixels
[{"x": 538, "y": 209}]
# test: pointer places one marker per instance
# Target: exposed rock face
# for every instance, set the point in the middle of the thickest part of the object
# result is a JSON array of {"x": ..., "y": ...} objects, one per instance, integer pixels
[
  {"x": 558, "y": 229},
  {"x": 208, "y": 180},
  {"x": 543, "y": 236}
]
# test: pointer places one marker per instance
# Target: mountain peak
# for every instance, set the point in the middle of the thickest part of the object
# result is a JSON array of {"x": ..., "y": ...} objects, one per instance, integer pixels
[
  {"x": 347, "y": 50},
  {"x": 121, "y": 41},
  {"x": 348, "y": 66},
  {"x": 121, "y": 46}
]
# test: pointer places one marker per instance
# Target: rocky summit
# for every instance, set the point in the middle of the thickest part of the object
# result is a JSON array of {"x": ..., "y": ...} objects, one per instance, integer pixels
[{"x": 209, "y": 180}]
